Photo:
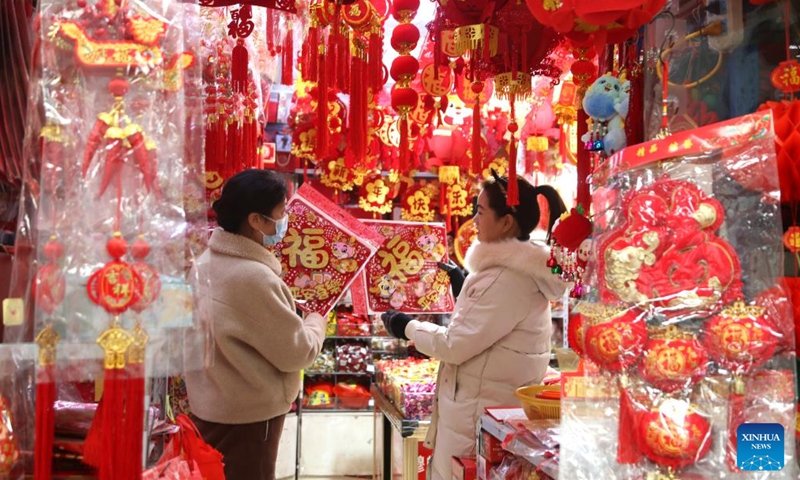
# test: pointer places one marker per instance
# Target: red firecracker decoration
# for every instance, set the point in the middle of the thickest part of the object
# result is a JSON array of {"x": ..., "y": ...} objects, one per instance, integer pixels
[{"x": 674, "y": 435}]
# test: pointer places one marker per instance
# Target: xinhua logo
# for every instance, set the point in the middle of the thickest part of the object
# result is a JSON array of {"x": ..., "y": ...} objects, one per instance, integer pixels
[{"x": 759, "y": 446}]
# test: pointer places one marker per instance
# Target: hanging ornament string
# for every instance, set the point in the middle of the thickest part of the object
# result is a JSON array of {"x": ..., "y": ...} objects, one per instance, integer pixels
[
  {"x": 49, "y": 288},
  {"x": 512, "y": 199}
]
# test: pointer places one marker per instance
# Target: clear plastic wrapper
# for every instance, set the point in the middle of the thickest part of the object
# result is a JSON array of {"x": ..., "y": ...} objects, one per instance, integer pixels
[
  {"x": 685, "y": 332},
  {"x": 410, "y": 384},
  {"x": 113, "y": 204}
]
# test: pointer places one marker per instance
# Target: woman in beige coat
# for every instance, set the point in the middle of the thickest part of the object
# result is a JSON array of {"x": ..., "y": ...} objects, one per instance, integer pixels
[
  {"x": 499, "y": 335},
  {"x": 260, "y": 343}
]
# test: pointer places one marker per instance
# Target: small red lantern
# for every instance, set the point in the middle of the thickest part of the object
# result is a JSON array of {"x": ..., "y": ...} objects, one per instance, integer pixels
[
  {"x": 786, "y": 76},
  {"x": 404, "y": 99},
  {"x": 404, "y": 69},
  {"x": 741, "y": 338},
  {"x": 673, "y": 360},
  {"x": 575, "y": 333},
  {"x": 616, "y": 342},
  {"x": 404, "y": 10},
  {"x": 674, "y": 435},
  {"x": 405, "y": 38}
]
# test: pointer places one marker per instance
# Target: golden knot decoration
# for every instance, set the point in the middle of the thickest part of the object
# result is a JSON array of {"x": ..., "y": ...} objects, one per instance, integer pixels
[
  {"x": 137, "y": 349},
  {"x": 47, "y": 340},
  {"x": 670, "y": 332},
  {"x": 115, "y": 342},
  {"x": 741, "y": 310}
]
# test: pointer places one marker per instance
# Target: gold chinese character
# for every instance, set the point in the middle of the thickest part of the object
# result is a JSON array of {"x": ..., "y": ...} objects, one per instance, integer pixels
[
  {"x": 673, "y": 147},
  {"x": 653, "y": 148},
  {"x": 309, "y": 250},
  {"x": 401, "y": 260},
  {"x": 640, "y": 152},
  {"x": 687, "y": 144}
]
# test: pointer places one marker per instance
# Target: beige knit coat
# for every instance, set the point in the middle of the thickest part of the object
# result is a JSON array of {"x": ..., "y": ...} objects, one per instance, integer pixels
[{"x": 260, "y": 343}]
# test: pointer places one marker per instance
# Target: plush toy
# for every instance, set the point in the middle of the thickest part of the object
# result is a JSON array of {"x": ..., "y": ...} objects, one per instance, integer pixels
[{"x": 606, "y": 102}]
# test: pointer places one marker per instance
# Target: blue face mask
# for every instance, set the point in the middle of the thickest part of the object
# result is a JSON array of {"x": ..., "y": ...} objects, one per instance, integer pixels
[{"x": 280, "y": 231}]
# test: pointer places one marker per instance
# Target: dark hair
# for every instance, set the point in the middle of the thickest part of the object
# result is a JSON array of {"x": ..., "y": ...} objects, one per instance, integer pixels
[
  {"x": 527, "y": 213},
  {"x": 250, "y": 191}
]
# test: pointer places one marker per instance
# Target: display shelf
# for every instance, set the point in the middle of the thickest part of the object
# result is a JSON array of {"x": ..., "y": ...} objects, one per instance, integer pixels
[
  {"x": 406, "y": 427},
  {"x": 502, "y": 432},
  {"x": 319, "y": 374}
]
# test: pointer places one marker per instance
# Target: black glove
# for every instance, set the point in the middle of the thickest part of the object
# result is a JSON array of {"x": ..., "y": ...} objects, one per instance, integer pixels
[
  {"x": 395, "y": 323},
  {"x": 456, "y": 276}
]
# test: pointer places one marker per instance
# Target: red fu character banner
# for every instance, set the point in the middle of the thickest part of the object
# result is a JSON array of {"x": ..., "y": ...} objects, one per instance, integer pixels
[
  {"x": 404, "y": 275},
  {"x": 324, "y": 250}
]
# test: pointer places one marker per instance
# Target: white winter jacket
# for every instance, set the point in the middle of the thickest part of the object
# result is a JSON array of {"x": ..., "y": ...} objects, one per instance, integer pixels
[{"x": 498, "y": 340}]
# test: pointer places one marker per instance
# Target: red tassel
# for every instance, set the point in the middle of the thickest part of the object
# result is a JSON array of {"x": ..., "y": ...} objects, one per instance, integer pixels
[
  {"x": 92, "y": 446},
  {"x": 134, "y": 420},
  {"x": 736, "y": 417},
  {"x": 477, "y": 153},
  {"x": 404, "y": 147},
  {"x": 449, "y": 208},
  {"x": 627, "y": 447},
  {"x": 287, "y": 68},
  {"x": 222, "y": 146},
  {"x": 357, "y": 138},
  {"x": 45, "y": 423},
  {"x": 376, "y": 60},
  {"x": 311, "y": 55},
  {"x": 109, "y": 432},
  {"x": 513, "y": 186},
  {"x": 321, "y": 148},
  {"x": 239, "y": 65},
  {"x": 270, "y": 31}
]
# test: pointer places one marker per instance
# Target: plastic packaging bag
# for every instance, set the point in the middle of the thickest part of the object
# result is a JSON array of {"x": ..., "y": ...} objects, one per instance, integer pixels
[{"x": 685, "y": 333}]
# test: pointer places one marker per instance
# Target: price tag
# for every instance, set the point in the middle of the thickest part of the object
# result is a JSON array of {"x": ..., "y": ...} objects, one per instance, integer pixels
[
  {"x": 283, "y": 143},
  {"x": 13, "y": 311}
]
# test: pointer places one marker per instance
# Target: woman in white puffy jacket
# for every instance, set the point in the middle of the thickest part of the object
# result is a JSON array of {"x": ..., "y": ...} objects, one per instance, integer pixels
[{"x": 499, "y": 335}]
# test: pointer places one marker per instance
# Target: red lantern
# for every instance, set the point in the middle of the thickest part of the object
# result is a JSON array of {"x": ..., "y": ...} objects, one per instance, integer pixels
[
  {"x": 673, "y": 360},
  {"x": 404, "y": 69},
  {"x": 404, "y": 99},
  {"x": 404, "y": 10},
  {"x": 674, "y": 435},
  {"x": 405, "y": 38},
  {"x": 741, "y": 338},
  {"x": 786, "y": 76},
  {"x": 575, "y": 333},
  {"x": 616, "y": 342}
]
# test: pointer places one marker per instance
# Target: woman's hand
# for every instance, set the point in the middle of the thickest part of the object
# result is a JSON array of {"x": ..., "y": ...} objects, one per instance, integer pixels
[
  {"x": 456, "y": 276},
  {"x": 395, "y": 323}
]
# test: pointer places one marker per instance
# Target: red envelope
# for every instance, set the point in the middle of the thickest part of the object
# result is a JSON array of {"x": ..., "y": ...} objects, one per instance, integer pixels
[
  {"x": 404, "y": 275},
  {"x": 324, "y": 250}
]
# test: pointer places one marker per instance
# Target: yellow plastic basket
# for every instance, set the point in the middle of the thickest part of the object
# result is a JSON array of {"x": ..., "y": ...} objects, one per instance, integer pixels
[{"x": 538, "y": 408}]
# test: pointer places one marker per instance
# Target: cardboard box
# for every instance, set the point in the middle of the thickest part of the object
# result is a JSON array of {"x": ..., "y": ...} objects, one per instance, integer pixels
[
  {"x": 464, "y": 468},
  {"x": 491, "y": 448}
]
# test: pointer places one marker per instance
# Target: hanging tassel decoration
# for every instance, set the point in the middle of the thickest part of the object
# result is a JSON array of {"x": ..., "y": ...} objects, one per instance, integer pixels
[
  {"x": 239, "y": 67},
  {"x": 404, "y": 147},
  {"x": 115, "y": 287},
  {"x": 736, "y": 417},
  {"x": 376, "y": 57},
  {"x": 357, "y": 132},
  {"x": 627, "y": 447},
  {"x": 311, "y": 50},
  {"x": 44, "y": 436},
  {"x": 287, "y": 67},
  {"x": 512, "y": 199},
  {"x": 477, "y": 160},
  {"x": 133, "y": 436},
  {"x": 321, "y": 147}
]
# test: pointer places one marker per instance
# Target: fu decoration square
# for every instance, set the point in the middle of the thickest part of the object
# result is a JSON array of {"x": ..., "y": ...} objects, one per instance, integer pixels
[
  {"x": 404, "y": 275},
  {"x": 324, "y": 250}
]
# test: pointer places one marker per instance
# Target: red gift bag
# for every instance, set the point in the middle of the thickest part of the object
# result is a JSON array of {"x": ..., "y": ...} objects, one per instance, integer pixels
[{"x": 189, "y": 445}]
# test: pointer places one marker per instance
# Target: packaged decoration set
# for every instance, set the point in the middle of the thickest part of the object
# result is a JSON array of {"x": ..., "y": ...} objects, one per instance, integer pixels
[{"x": 687, "y": 335}]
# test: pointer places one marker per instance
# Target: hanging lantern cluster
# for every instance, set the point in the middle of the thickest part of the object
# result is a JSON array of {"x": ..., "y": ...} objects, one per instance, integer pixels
[{"x": 403, "y": 71}]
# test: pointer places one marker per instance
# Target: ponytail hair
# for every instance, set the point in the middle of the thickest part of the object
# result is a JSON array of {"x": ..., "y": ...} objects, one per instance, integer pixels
[{"x": 527, "y": 213}]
